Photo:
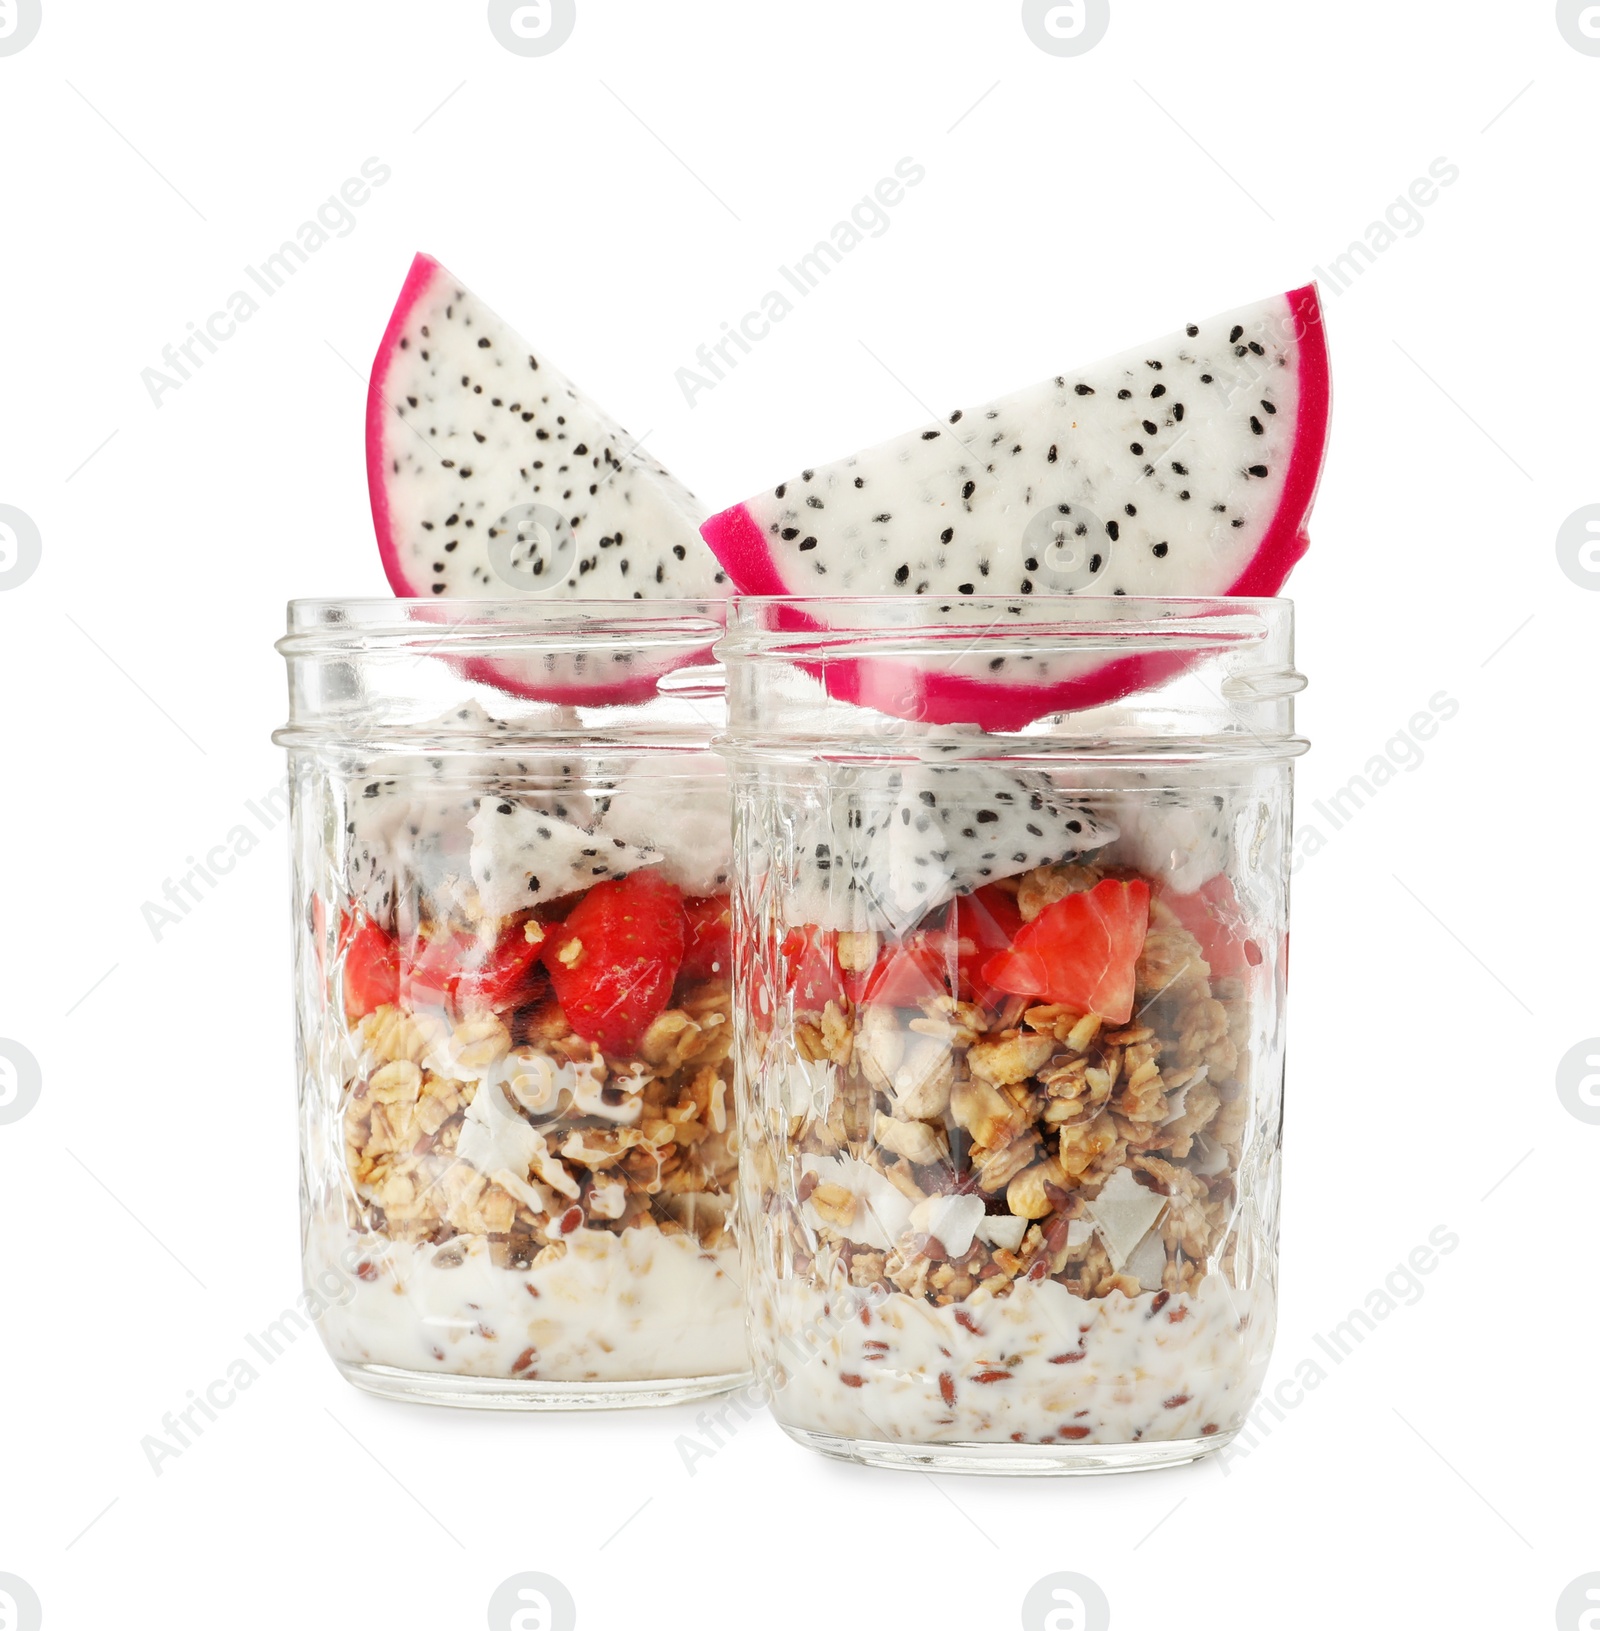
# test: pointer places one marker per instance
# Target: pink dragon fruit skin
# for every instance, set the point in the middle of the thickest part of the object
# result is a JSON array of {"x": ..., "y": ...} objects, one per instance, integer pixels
[
  {"x": 465, "y": 425},
  {"x": 1214, "y": 394}
]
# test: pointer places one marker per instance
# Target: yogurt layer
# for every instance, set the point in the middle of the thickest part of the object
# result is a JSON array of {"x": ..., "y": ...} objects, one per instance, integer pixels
[
  {"x": 1038, "y": 1366},
  {"x": 639, "y": 1306}
]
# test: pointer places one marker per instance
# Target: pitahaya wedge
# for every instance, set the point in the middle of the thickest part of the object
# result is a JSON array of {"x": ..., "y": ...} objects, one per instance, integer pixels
[
  {"x": 408, "y": 814},
  {"x": 1184, "y": 838},
  {"x": 681, "y": 801},
  {"x": 1184, "y": 468},
  {"x": 901, "y": 839},
  {"x": 522, "y": 857},
  {"x": 493, "y": 477}
]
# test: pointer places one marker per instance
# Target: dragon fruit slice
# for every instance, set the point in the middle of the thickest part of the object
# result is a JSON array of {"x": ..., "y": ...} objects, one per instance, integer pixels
[
  {"x": 689, "y": 807},
  {"x": 901, "y": 842},
  {"x": 408, "y": 814},
  {"x": 493, "y": 477},
  {"x": 1186, "y": 467},
  {"x": 1185, "y": 839},
  {"x": 521, "y": 857}
]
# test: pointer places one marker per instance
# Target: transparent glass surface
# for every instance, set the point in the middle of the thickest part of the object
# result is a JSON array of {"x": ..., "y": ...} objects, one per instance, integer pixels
[
  {"x": 512, "y": 970},
  {"x": 1010, "y": 1027}
]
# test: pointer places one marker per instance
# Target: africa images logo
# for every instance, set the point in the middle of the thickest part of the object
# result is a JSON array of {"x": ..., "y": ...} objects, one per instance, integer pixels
[
  {"x": 532, "y": 28},
  {"x": 1065, "y": 1602},
  {"x": 19, "y": 22},
  {"x": 1066, "y": 28},
  {"x": 20, "y": 547},
  {"x": 532, "y": 1602},
  {"x": 19, "y": 1604}
]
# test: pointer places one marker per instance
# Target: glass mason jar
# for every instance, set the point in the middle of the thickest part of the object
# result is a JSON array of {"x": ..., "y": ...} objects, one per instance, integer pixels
[
  {"x": 511, "y": 958},
  {"x": 1010, "y": 1021}
]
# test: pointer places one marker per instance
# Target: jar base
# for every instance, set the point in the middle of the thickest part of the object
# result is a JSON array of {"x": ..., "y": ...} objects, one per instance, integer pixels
[
  {"x": 506, "y": 1393},
  {"x": 1012, "y": 1460}
]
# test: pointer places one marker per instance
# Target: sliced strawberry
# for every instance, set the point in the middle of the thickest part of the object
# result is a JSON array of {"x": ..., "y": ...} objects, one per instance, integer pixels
[
  {"x": 813, "y": 975},
  {"x": 430, "y": 968},
  {"x": 987, "y": 921},
  {"x": 509, "y": 977},
  {"x": 709, "y": 951},
  {"x": 1080, "y": 952},
  {"x": 1213, "y": 915},
  {"x": 922, "y": 966},
  {"x": 371, "y": 968},
  {"x": 615, "y": 958}
]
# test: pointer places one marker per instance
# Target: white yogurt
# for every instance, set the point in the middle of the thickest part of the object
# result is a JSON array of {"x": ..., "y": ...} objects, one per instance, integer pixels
[
  {"x": 640, "y": 1306},
  {"x": 1039, "y": 1366}
]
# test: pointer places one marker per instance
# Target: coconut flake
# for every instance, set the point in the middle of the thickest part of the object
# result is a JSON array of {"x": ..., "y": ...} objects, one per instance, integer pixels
[
  {"x": 1148, "y": 1261},
  {"x": 1123, "y": 1211},
  {"x": 1209, "y": 1157},
  {"x": 950, "y": 1219},
  {"x": 1005, "y": 1232},
  {"x": 882, "y": 1212},
  {"x": 807, "y": 1085}
]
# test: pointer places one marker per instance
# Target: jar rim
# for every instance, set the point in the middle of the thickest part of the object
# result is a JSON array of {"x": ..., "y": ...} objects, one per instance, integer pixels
[
  {"x": 318, "y": 623},
  {"x": 393, "y": 670},
  {"x": 863, "y": 614},
  {"x": 1113, "y": 674},
  {"x": 785, "y": 629},
  {"x": 301, "y": 605}
]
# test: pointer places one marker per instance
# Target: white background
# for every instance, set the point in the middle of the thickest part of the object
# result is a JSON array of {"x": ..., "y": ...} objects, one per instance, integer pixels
[{"x": 619, "y": 200}]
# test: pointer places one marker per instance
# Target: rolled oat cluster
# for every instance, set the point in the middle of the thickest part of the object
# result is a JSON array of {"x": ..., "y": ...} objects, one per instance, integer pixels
[
  {"x": 440, "y": 1116},
  {"x": 1000, "y": 1127}
]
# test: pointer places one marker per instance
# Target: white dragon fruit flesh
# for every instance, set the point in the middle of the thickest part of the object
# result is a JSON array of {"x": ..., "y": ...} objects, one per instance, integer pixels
[
  {"x": 521, "y": 857},
  {"x": 895, "y": 843},
  {"x": 1186, "y": 467},
  {"x": 407, "y": 814},
  {"x": 475, "y": 812},
  {"x": 493, "y": 477},
  {"x": 1185, "y": 838},
  {"x": 678, "y": 803}
]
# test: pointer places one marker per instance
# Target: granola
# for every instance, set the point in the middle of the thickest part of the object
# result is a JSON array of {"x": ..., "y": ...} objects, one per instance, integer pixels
[
  {"x": 423, "y": 1160},
  {"x": 1038, "y": 1203},
  {"x": 529, "y": 1165}
]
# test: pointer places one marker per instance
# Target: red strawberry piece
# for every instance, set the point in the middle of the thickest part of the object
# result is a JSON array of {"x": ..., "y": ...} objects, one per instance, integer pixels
[
  {"x": 508, "y": 977},
  {"x": 430, "y": 968},
  {"x": 709, "y": 950},
  {"x": 1213, "y": 915},
  {"x": 987, "y": 921},
  {"x": 371, "y": 968},
  {"x": 1080, "y": 952},
  {"x": 813, "y": 975},
  {"x": 615, "y": 958},
  {"x": 921, "y": 966}
]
